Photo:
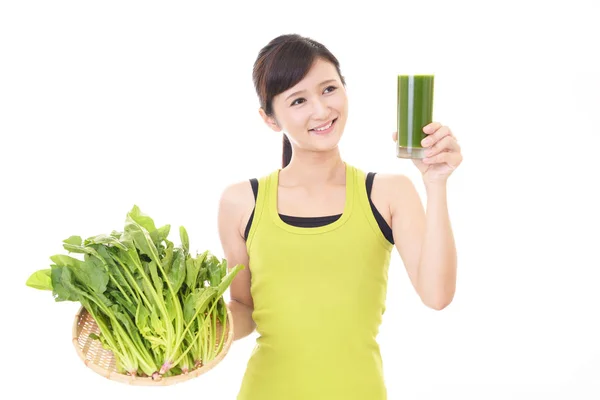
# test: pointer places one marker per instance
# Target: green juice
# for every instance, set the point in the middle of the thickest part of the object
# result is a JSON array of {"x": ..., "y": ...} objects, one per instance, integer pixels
[{"x": 415, "y": 111}]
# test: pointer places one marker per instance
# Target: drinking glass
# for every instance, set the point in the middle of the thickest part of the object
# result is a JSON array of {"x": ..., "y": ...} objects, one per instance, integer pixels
[{"x": 415, "y": 111}]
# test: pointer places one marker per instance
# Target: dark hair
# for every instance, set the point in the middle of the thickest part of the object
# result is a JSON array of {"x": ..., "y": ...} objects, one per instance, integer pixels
[{"x": 280, "y": 65}]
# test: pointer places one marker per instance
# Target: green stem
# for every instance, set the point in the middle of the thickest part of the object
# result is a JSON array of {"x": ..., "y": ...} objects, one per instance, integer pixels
[
  {"x": 123, "y": 336},
  {"x": 178, "y": 336},
  {"x": 213, "y": 332},
  {"x": 159, "y": 302},
  {"x": 223, "y": 329},
  {"x": 132, "y": 281},
  {"x": 201, "y": 344},
  {"x": 96, "y": 254},
  {"x": 125, "y": 356},
  {"x": 104, "y": 330},
  {"x": 200, "y": 308}
]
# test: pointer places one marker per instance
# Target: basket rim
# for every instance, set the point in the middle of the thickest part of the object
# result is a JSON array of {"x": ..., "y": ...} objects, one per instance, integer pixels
[{"x": 149, "y": 381}]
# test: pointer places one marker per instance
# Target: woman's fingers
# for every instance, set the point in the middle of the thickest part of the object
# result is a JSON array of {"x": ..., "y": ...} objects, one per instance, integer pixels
[
  {"x": 447, "y": 143},
  {"x": 432, "y": 127},
  {"x": 451, "y": 158},
  {"x": 436, "y": 136}
]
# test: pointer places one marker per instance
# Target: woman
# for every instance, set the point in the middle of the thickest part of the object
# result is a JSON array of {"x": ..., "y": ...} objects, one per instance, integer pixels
[{"x": 316, "y": 237}]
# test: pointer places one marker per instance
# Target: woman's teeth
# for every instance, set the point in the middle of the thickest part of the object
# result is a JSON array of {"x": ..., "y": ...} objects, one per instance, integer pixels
[{"x": 324, "y": 128}]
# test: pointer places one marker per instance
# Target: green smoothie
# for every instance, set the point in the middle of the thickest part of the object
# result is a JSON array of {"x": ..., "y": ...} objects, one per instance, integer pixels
[{"x": 415, "y": 111}]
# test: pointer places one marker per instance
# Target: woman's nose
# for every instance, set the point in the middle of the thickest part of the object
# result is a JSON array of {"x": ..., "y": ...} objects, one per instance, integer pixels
[{"x": 321, "y": 110}]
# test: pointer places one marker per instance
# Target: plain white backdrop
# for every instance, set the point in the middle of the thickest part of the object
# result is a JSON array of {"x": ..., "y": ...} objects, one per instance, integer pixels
[{"x": 104, "y": 105}]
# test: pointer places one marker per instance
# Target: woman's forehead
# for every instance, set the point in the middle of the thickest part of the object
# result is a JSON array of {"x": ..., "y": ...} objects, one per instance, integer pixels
[{"x": 321, "y": 72}]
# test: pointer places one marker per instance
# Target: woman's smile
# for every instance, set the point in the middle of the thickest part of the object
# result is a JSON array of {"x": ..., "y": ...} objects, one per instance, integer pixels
[{"x": 324, "y": 129}]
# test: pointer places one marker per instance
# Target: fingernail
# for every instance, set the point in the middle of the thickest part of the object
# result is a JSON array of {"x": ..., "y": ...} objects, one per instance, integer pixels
[{"x": 425, "y": 142}]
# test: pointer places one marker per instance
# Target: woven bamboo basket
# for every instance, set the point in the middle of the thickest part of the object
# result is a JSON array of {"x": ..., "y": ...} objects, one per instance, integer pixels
[{"x": 102, "y": 361}]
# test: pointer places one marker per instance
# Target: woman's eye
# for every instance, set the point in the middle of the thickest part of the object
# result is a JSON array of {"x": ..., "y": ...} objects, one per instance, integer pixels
[{"x": 330, "y": 88}]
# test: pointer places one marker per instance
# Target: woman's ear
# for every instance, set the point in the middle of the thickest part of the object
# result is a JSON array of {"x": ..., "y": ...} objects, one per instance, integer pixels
[{"x": 269, "y": 121}]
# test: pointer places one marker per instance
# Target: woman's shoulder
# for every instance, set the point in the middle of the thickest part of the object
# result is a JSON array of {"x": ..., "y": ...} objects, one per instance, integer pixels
[
  {"x": 393, "y": 180},
  {"x": 394, "y": 191},
  {"x": 386, "y": 179},
  {"x": 387, "y": 187},
  {"x": 236, "y": 204},
  {"x": 238, "y": 195}
]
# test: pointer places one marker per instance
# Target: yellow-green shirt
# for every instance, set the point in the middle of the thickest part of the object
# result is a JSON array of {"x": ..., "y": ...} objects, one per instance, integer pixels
[{"x": 319, "y": 296}]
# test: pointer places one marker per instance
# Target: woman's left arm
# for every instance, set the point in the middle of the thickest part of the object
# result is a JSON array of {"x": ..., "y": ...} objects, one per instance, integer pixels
[
  {"x": 424, "y": 239},
  {"x": 437, "y": 267}
]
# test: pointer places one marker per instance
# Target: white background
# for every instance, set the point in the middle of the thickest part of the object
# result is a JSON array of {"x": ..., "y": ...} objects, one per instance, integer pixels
[{"x": 104, "y": 105}]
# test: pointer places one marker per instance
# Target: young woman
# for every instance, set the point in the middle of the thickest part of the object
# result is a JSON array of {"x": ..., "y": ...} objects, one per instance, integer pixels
[{"x": 316, "y": 237}]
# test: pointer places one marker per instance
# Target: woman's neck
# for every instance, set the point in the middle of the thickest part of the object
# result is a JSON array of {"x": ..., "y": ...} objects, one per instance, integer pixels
[{"x": 314, "y": 169}]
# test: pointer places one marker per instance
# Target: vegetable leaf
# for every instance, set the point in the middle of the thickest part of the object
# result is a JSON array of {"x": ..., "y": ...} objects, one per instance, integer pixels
[
  {"x": 185, "y": 240},
  {"x": 74, "y": 240},
  {"x": 177, "y": 272},
  {"x": 40, "y": 280}
]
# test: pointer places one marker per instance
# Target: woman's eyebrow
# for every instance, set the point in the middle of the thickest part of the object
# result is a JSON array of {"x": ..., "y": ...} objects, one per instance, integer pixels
[{"x": 300, "y": 91}]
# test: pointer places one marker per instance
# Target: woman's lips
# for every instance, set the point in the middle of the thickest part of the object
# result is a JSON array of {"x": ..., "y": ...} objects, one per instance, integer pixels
[{"x": 326, "y": 131}]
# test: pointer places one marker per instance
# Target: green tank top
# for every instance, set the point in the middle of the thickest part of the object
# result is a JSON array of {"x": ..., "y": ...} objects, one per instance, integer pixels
[{"x": 319, "y": 296}]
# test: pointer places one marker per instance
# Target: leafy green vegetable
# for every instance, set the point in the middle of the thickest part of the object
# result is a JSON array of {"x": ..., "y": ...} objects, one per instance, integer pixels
[
  {"x": 156, "y": 305},
  {"x": 41, "y": 280}
]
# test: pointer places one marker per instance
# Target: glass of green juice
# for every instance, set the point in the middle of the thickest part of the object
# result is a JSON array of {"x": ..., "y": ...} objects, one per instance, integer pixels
[{"x": 415, "y": 111}]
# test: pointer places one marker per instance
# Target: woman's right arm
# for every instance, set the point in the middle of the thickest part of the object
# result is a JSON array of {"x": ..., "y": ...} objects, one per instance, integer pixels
[{"x": 235, "y": 207}]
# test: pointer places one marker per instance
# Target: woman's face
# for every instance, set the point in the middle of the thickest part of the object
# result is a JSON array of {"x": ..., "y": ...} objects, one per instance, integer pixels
[{"x": 314, "y": 102}]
